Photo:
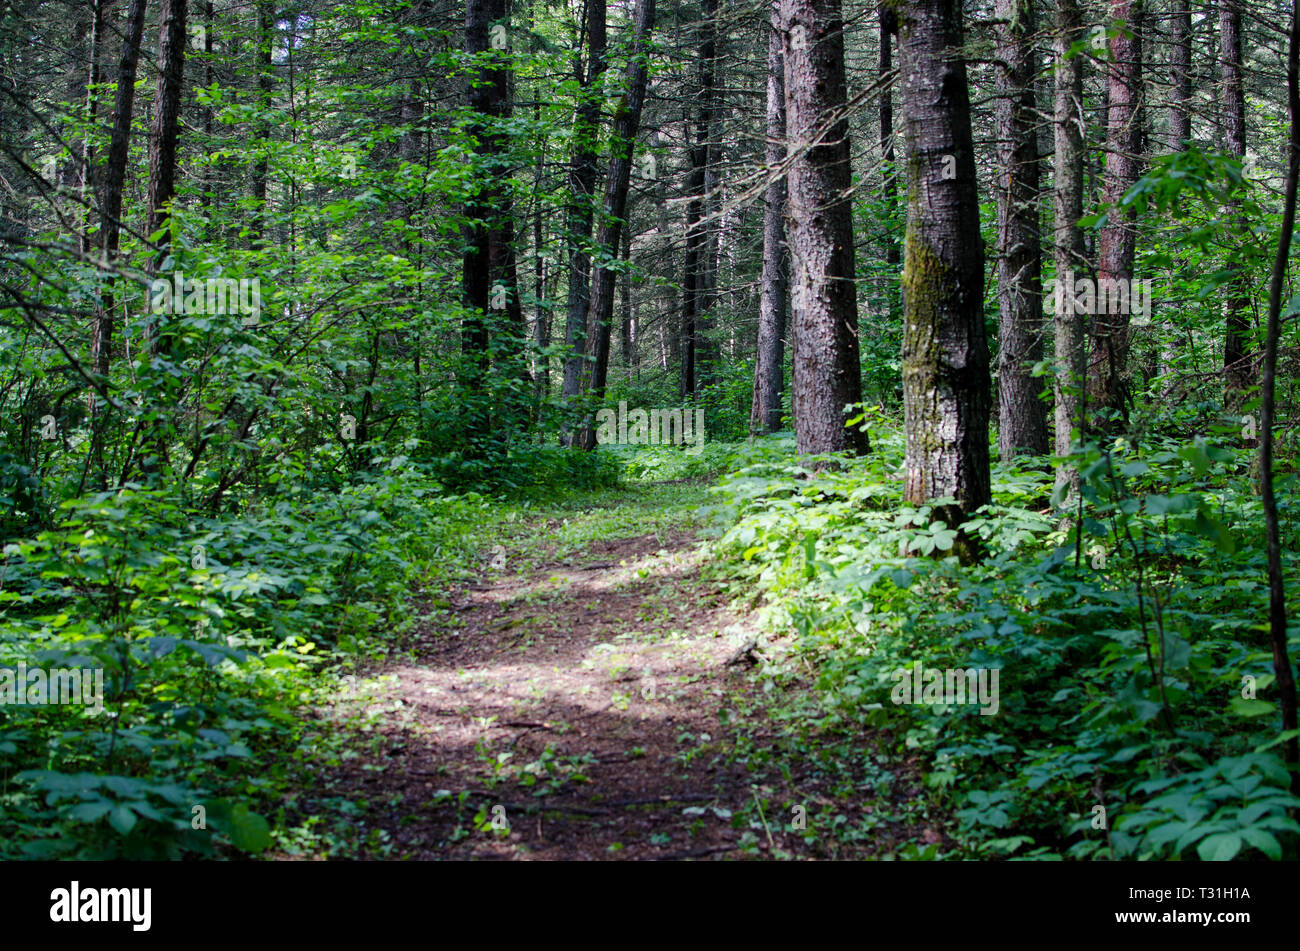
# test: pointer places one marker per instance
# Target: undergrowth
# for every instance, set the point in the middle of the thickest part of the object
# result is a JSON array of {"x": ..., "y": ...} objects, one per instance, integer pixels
[{"x": 1135, "y": 719}]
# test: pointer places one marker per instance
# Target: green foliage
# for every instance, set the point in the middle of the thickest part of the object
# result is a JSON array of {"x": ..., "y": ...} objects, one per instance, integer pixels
[
  {"x": 209, "y": 632},
  {"x": 1121, "y": 641}
]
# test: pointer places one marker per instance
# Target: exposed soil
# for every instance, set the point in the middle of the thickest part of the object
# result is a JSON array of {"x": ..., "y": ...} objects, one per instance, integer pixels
[
  {"x": 609, "y": 671},
  {"x": 587, "y": 709}
]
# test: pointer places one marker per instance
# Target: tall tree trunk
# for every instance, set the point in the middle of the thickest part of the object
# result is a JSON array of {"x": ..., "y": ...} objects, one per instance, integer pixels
[
  {"x": 1108, "y": 370},
  {"x": 1285, "y": 681},
  {"x": 1068, "y": 247},
  {"x": 627, "y": 335},
  {"x": 503, "y": 252},
  {"x": 163, "y": 137},
  {"x": 1180, "y": 131},
  {"x": 582, "y": 186},
  {"x": 627, "y": 119},
  {"x": 209, "y": 176},
  {"x": 541, "y": 306},
  {"x": 265, "y": 84},
  {"x": 1180, "y": 47},
  {"x": 945, "y": 350},
  {"x": 819, "y": 222},
  {"x": 162, "y": 189},
  {"x": 889, "y": 187},
  {"x": 769, "y": 364},
  {"x": 706, "y": 352},
  {"x": 1022, "y": 415},
  {"x": 110, "y": 214},
  {"x": 694, "y": 260},
  {"x": 484, "y": 97},
  {"x": 1237, "y": 376},
  {"x": 86, "y": 159}
]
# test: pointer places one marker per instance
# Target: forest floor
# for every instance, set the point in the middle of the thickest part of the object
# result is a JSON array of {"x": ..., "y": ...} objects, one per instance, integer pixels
[{"x": 595, "y": 698}]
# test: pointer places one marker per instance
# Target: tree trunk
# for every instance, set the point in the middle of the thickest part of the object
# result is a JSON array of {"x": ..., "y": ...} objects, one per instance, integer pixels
[
  {"x": 1108, "y": 371},
  {"x": 162, "y": 189},
  {"x": 1180, "y": 44},
  {"x": 483, "y": 95},
  {"x": 1285, "y": 681},
  {"x": 1068, "y": 247},
  {"x": 627, "y": 119},
  {"x": 265, "y": 84},
  {"x": 693, "y": 263},
  {"x": 512, "y": 332},
  {"x": 1237, "y": 376},
  {"x": 87, "y": 157},
  {"x": 162, "y": 138},
  {"x": 110, "y": 202},
  {"x": 1180, "y": 131},
  {"x": 706, "y": 350},
  {"x": 110, "y": 219},
  {"x": 627, "y": 334},
  {"x": 769, "y": 363},
  {"x": 1022, "y": 416},
  {"x": 582, "y": 185},
  {"x": 819, "y": 222},
  {"x": 889, "y": 188},
  {"x": 945, "y": 350}
]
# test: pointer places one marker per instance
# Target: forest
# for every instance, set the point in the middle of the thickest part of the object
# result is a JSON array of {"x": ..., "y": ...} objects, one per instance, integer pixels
[{"x": 649, "y": 430}]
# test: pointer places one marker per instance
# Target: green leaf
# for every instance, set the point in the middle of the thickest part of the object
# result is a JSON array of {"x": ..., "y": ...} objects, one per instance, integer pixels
[
  {"x": 1251, "y": 708},
  {"x": 1220, "y": 847},
  {"x": 1263, "y": 841},
  {"x": 122, "y": 819},
  {"x": 249, "y": 832},
  {"x": 90, "y": 811}
]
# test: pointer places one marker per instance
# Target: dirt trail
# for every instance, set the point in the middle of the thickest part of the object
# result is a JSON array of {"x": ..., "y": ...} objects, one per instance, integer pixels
[{"x": 578, "y": 704}]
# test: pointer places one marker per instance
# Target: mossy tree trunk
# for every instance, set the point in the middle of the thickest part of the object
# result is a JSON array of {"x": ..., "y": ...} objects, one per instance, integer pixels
[{"x": 945, "y": 350}]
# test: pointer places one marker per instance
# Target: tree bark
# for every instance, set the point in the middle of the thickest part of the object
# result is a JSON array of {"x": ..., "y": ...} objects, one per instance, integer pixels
[
  {"x": 162, "y": 189},
  {"x": 819, "y": 223},
  {"x": 110, "y": 220},
  {"x": 769, "y": 363},
  {"x": 1022, "y": 416},
  {"x": 693, "y": 262},
  {"x": 582, "y": 186},
  {"x": 889, "y": 187},
  {"x": 1108, "y": 381},
  {"x": 945, "y": 350},
  {"x": 705, "y": 226},
  {"x": 164, "y": 135},
  {"x": 1285, "y": 681},
  {"x": 483, "y": 95},
  {"x": 265, "y": 84},
  {"x": 87, "y": 149},
  {"x": 627, "y": 335},
  {"x": 627, "y": 119},
  {"x": 1180, "y": 44},
  {"x": 110, "y": 203},
  {"x": 1237, "y": 375},
  {"x": 1180, "y": 132},
  {"x": 1068, "y": 246}
]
